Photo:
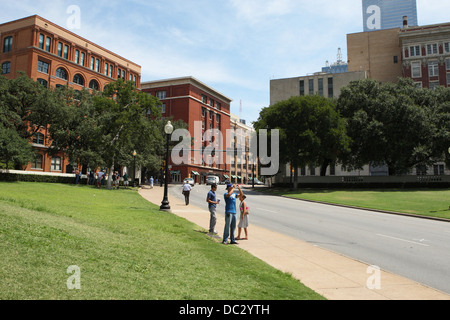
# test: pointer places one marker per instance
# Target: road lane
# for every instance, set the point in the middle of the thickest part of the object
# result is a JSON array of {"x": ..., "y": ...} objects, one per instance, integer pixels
[{"x": 418, "y": 249}]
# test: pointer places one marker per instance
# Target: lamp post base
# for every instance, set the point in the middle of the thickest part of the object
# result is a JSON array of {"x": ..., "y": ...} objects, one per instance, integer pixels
[{"x": 165, "y": 205}]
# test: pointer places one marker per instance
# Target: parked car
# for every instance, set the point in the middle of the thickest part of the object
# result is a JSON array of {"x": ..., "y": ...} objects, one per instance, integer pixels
[
  {"x": 212, "y": 180},
  {"x": 190, "y": 181}
]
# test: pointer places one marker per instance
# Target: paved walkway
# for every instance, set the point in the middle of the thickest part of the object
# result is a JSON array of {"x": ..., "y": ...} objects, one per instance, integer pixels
[{"x": 332, "y": 275}]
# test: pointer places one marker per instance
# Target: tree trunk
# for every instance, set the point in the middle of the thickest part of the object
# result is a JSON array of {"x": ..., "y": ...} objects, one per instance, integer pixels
[
  {"x": 323, "y": 168},
  {"x": 111, "y": 170}
]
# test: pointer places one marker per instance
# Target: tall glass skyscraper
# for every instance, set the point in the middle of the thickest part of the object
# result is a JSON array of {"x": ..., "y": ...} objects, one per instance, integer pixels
[{"x": 388, "y": 14}]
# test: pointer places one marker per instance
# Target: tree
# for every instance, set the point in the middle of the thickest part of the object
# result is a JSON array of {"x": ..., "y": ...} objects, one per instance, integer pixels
[
  {"x": 311, "y": 131},
  {"x": 13, "y": 148},
  {"x": 392, "y": 124}
]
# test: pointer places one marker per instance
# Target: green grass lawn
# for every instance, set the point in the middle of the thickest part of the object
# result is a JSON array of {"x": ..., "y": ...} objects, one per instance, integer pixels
[
  {"x": 432, "y": 203},
  {"x": 125, "y": 248}
]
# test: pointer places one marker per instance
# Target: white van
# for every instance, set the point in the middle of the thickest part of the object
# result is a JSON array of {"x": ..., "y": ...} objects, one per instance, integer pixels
[{"x": 212, "y": 180}]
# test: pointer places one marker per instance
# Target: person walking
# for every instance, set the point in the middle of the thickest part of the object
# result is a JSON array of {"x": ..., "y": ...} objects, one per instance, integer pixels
[
  {"x": 243, "y": 221},
  {"x": 100, "y": 176},
  {"x": 186, "y": 191},
  {"x": 230, "y": 215},
  {"x": 211, "y": 198},
  {"x": 151, "y": 182}
]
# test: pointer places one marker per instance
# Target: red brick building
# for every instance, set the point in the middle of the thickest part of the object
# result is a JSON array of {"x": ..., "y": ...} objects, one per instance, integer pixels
[
  {"x": 54, "y": 56},
  {"x": 191, "y": 101},
  {"x": 426, "y": 54}
]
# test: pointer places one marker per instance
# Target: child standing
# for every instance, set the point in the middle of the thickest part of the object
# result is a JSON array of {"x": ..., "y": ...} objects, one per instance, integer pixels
[{"x": 243, "y": 222}]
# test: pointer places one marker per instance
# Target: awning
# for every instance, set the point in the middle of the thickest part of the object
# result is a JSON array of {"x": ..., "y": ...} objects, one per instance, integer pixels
[
  {"x": 176, "y": 172},
  {"x": 234, "y": 177},
  {"x": 195, "y": 173},
  {"x": 225, "y": 176}
]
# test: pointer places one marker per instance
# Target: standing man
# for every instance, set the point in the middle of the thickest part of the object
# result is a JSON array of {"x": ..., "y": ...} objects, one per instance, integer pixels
[
  {"x": 212, "y": 205},
  {"x": 230, "y": 215},
  {"x": 186, "y": 190}
]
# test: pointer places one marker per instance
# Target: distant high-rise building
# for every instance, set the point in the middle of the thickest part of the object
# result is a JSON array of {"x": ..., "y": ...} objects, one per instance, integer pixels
[{"x": 388, "y": 14}]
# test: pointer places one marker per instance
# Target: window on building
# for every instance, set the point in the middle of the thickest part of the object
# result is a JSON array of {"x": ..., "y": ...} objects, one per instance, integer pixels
[
  {"x": 92, "y": 63},
  {"x": 6, "y": 67},
  {"x": 111, "y": 69},
  {"x": 204, "y": 99},
  {"x": 434, "y": 85},
  {"x": 43, "y": 82},
  {"x": 302, "y": 87},
  {"x": 448, "y": 79},
  {"x": 61, "y": 73},
  {"x": 421, "y": 170},
  {"x": 330, "y": 88},
  {"x": 97, "y": 65},
  {"x": 163, "y": 108},
  {"x": 106, "y": 69},
  {"x": 439, "y": 170},
  {"x": 94, "y": 85},
  {"x": 82, "y": 57},
  {"x": 38, "y": 138},
  {"x": 312, "y": 170},
  {"x": 48, "y": 44},
  {"x": 78, "y": 79},
  {"x": 203, "y": 112},
  {"x": 161, "y": 95},
  {"x": 119, "y": 73},
  {"x": 43, "y": 67},
  {"x": 418, "y": 84},
  {"x": 433, "y": 69},
  {"x": 56, "y": 164},
  {"x": 60, "y": 49},
  {"x": 123, "y": 74},
  {"x": 395, "y": 59},
  {"x": 211, "y": 102},
  {"x": 218, "y": 118},
  {"x": 447, "y": 64},
  {"x": 447, "y": 47},
  {"x": 416, "y": 70},
  {"x": 77, "y": 56},
  {"x": 211, "y": 116},
  {"x": 7, "y": 44},
  {"x": 37, "y": 163},
  {"x": 432, "y": 49},
  {"x": 219, "y": 105},
  {"x": 311, "y": 86},
  {"x": 66, "y": 51},
  {"x": 320, "y": 87},
  {"x": 41, "y": 41},
  {"x": 414, "y": 51}
]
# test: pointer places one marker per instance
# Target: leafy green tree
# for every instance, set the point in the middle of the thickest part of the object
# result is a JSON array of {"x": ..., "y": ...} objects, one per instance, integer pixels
[
  {"x": 395, "y": 124},
  {"x": 14, "y": 150},
  {"x": 311, "y": 131}
]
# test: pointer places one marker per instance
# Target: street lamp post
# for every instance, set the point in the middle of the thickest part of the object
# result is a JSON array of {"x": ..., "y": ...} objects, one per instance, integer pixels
[
  {"x": 134, "y": 169},
  {"x": 168, "y": 129}
]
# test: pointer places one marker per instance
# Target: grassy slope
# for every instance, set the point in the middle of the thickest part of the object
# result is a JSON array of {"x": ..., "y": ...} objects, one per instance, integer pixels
[
  {"x": 125, "y": 247},
  {"x": 433, "y": 203}
]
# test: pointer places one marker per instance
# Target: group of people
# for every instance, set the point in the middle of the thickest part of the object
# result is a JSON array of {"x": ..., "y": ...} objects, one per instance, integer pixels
[
  {"x": 230, "y": 213},
  {"x": 99, "y": 178}
]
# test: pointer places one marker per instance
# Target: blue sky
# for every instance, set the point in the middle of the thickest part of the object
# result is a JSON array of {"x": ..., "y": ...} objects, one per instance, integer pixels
[{"x": 234, "y": 46}]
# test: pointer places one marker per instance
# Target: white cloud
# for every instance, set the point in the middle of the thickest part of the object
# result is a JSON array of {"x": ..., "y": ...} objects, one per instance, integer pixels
[{"x": 255, "y": 11}]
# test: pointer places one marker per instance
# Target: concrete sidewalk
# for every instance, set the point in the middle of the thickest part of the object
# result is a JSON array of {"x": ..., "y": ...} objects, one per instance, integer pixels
[{"x": 332, "y": 275}]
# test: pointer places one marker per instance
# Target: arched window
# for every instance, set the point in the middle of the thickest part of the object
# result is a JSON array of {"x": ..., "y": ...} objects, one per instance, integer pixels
[
  {"x": 78, "y": 79},
  {"x": 43, "y": 82},
  {"x": 94, "y": 85},
  {"x": 61, "y": 73}
]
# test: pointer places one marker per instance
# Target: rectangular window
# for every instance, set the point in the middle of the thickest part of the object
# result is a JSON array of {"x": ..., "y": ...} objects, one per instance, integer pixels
[
  {"x": 37, "y": 164},
  {"x": 439, "y": 170},
  {"x": 395, "y": 59},
  {"x": 48, "y": 44},
  {"x": 434, "y": 85},
  {"x": 6, "y": 67},
  {"x": 218, "y": 105},
  {"x": 82, "y": 59},
  {"x": 56, "y": 164},
  {"x": 330, "y": 88},
  {"x": 163, "y": 108},
  {"x": 97, "y": 65},
  {"x": 321, "y": 87},
  {"x": 447, "y": 47},
  {"x": 60, "y": 49},
  {"x": 7, "y": 44},
  {"x": 92, "y": 63},
  {"x": 119, "y": 73},
  {"x": 433, "y": 68},
  {"x": 41, "y": 41},
  {"x": 302, "y": 87},
  {"x": 414, "y": 51},
  {"x": 311, "y": 86},
  {"x": 106, "y": 69},
  {"x": 447, "y": 64},
  {"x": 448, "y": 79},
  {"x": 111, "y": 68},
  {"x": 43, "y": 67},
  {"x": 204, "y": 99},
  {"x": 416, "y": 70},
  {"x": 203, "y": 112},
  {"x": 123, "y": 74},
  {"x": 66, "y": 51},
  {"x": 211, "y": 102},
  {"x": 161, "y": 95},
  {"x": 77, "y": 56},
  {"x": 432, "y": 49}
]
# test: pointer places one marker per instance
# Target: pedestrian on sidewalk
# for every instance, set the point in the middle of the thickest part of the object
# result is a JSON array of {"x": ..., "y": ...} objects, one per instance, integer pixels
[
  {"x": 243, "y": 221},
  {"x": 230, "y": 215},
  {"x": 186, "y": 191},
  {"x": 211, "y": 198},
  {"x": 151, "y": 182}
]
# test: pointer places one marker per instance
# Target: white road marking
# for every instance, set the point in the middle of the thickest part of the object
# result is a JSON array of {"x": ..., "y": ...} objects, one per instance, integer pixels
[
  {"x": 422, "y": 244},
  {"x": 266, "y": 210}
]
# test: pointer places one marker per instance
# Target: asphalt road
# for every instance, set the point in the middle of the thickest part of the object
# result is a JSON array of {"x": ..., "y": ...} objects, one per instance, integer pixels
[{"x": 418, "y": 249}]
